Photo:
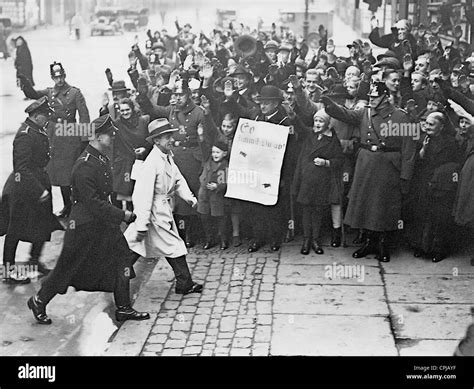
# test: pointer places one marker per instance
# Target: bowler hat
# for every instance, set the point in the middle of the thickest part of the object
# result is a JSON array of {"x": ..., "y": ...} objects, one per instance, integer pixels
[
  {"x": 338, "y": 91},
  {"x": 118, "y": 86},
  {"x": 56, "y": 69},
  {"x": 239, "y": 69},
  {"x": 40, "y": 105},
  {"x": 103, "y": 125},
  {"x": 220, "y": 82},
  {"x": 159, "y": 127},
  {"x": 388, "y": 53},
  {"x": 270, "y": 92}
]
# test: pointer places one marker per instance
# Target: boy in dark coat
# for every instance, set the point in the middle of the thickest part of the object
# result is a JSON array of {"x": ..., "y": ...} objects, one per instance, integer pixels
[
  {"x": 322, "y": 152},
  {"x": 211, "y": 199}
]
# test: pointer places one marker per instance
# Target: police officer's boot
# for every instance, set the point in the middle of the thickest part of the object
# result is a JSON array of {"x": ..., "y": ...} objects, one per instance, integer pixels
[
  {"x": 336, "y": 237},
  {"x": 369, "y": 246},
  {"x": 124, "y": 313},
  {"x": 39, "y": 310}
]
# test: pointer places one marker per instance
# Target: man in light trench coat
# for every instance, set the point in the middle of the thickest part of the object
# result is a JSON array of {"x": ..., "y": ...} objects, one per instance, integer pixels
[{"x": 154, "y": 233}]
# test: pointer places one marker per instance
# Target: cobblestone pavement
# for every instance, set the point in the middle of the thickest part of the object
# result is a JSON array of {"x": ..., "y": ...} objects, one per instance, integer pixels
[
  {"x": 284, "y": 303},
  {"x": 232, "y": 316}
]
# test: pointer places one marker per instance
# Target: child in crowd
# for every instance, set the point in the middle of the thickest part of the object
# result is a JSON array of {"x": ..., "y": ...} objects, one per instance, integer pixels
[
  {"x": 225, "y": 134},
  {"x": 313, "y": 183},
  {"x": 211, "y": 201}
]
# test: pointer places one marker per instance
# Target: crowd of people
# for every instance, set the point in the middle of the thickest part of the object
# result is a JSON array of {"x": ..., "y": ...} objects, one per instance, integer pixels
[{"x": 381, "y": 145}]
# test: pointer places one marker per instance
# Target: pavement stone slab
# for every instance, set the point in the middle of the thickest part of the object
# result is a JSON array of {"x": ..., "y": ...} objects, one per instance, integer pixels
[
  {"x": 422, "y": 288},
  {"x": 430, "y": 321},
  {"x": 332, "y": 335},
  {"x": 329, "y": 274},
  {"x": 427, "y": 347},
  {"x": 330, "y": 299}
]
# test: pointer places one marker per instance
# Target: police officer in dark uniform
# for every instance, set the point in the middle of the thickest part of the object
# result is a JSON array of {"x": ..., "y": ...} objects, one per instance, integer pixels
[
  {"x": 26, "y": 210},
  {"x": 95, "y": 254},
  {"x": 66, "y": 147}
]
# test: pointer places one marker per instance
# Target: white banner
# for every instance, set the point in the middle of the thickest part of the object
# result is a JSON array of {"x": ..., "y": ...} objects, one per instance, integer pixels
[{"x": 255, "y": 161}]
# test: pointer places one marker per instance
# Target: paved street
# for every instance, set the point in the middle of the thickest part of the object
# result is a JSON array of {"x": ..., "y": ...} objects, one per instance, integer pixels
[{"x": 285, "y": 303}]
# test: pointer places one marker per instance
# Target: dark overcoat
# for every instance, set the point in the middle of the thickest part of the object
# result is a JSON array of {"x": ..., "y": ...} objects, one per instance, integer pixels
[
  {"x": 95, "y": 252},
  {"x": 66, "y": 144},
  {"x": 464, "y": 204},
  {"x": 433, "y": 192},
  {"x": 23, "y": 62},
  {"x": 375, "y": 197},
  {"x": 21, "y": 213},
  {"x": 313, "y": 184}
]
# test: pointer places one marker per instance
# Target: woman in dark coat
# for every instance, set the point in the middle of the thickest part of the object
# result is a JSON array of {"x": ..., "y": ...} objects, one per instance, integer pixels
[
  {"x": 23, "y": 62},
  {"x": 313, "y": 182},
  {"x": 129, "y": 140},
  {"x": 434, "y": 190}
]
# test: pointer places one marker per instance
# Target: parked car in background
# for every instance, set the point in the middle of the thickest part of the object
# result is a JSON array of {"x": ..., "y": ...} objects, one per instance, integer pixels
[{"x": 104, "y": 26}]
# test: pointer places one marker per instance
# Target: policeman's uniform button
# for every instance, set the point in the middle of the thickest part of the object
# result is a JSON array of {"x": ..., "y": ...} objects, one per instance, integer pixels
[
  {"x": 368, "y": 133},
  {"x": 368, "y": 141}
]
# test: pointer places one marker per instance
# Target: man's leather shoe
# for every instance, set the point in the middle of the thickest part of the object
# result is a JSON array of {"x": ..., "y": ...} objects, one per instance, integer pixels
[
  {"x": 39, "y": 310},
  {"x": 254, "y": 246},
  {"x": 128, "y": 313},
  {"x": 306, "y": 247},
  {"x": 189, "y": 244},
  {"x": 317, "y": 248},
  {"x": 360, "y": 238},
  {"x": 275, "y": 246},
  {"x": 367, "y": 248},
  {"x": 438, "y": 257},
  {"x": 336, "y": 237},
  {"x": 195, "y": 288},
  {"x": 224, "y": 245}
]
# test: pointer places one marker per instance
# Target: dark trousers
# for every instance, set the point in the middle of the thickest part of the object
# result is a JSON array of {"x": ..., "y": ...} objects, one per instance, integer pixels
[
  {"x": 10, "y": 246},
  {"x": 210, "y": 222},
  {"x": 121, "y": 292},
  {"x": 312, "y": 221},
  {"x": 66, "y": 195},
  {"x": 180, "y": 268},
  {"x": 269, "y": 221}
]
